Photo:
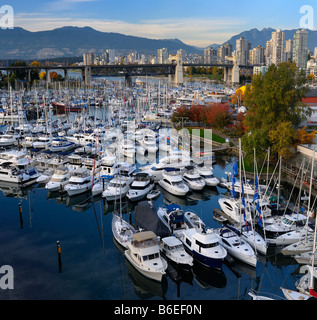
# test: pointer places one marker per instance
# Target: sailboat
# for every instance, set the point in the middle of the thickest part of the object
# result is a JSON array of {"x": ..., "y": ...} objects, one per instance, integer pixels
[{"x": 122, "y": 231}]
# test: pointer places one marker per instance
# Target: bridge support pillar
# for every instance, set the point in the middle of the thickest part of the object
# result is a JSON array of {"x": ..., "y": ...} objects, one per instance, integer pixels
[
  {"x": 128, "y": 80},
  {"x": 48, "y": 77},
  {"x": 65, "y": 75},
  {"x": 87, "y": 75},
  {"x": 235, "y": 71},
  {"x": 29, "y": 76},
  {"x": 179, "y": 74}
]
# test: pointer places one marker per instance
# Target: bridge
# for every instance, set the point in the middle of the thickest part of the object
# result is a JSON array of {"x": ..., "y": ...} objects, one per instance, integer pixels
[{"x": 174, "y": 69}]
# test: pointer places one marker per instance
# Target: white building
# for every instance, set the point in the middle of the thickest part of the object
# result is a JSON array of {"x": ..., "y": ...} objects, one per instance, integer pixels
[
  {"x": 277, "y": 47},
  {"x": 300, "y": 48}
]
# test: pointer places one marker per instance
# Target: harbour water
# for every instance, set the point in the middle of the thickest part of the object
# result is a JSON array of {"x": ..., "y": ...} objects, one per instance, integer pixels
[{"x": 90, "y": 265}]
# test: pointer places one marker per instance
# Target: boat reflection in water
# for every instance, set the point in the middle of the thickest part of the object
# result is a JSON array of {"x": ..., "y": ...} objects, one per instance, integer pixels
[
  {"x": 172, "y": 199},
  {"x": 208, "y": 277},
  {"x": 14, "y": 190},
  {"x": 144, "y": 287}
]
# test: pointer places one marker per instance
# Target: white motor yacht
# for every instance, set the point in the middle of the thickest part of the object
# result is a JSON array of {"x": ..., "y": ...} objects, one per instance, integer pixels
[
  {"x": 11, "y": 173},
  {"x": 117, "y": 188},
  {"x": 173, "y": 218},
  {"x": 287, "y": 223},
  {"x": 144, "y": 254},
  {"x": 7, "y": 140},
  {"x": 253, "y": 238},
  {"x": 175, "y": 161},
  {"x": 42, "y": 142},
  {"x": 233, "y": 209},
  {"x": 127, "y": 148},
  {"x": 80, "y": 181},
  {"x": 204, "y": 247},
  {"x": 61, "y": 145},
  {"x": 140, "y": 187},
  {"x": 173, "y": 250},
  {"x": 173, "y": 182},
  {"x": 193, "y": 179},
  {"x": 59, "y": 179},
  {"x": 206, "y": 172},
  {"x": 236, "y": 246}
]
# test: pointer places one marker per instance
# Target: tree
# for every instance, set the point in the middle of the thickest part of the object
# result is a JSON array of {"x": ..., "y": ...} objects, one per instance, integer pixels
[
  {"x": 272, "y": 100},
  {"x": 282, "y": 138},
  {"x": 218, "y": 115},
  {"x": 35, "y": 74},
  {"x": 54, "y": 75},
  {"x": 304, "y": 137},
  {"x": 180, "y": 112},
  {"x": 20, "y": 73},
  {"x": 196, "y": 113}
]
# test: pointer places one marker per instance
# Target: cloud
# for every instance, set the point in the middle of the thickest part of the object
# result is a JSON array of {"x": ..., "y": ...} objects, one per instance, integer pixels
[{"x": 194, "y": 31}]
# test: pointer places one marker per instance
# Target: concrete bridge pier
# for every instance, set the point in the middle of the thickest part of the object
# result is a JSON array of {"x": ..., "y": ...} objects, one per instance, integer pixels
[
  {"x": 87, "y": 77},
  {"x": 179, "y": 74},
  {"x": 48, "y": 77},
  {"x": 65, "y": 75},
  {"x": 128, "y": 80}
]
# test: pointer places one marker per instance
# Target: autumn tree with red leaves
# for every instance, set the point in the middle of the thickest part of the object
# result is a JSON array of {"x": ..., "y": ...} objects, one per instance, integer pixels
[{"x": 218, "y": 115}]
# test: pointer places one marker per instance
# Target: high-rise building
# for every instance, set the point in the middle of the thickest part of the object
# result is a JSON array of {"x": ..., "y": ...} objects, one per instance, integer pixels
[
  {"x": 88, "y": 58},
  {"x": 210, "y": 54},
  {"x": 162, "y": 56},
  {"x": 277, "y": 47},
  {"x": 289, "y": 50},
  {"x": 300, "y": 48},
  {"x": 228, "y": 49},
  {"x": 242, "y": 51},
  {"x": 268, "y": 52},
  {"x": 256, "y": 56}
]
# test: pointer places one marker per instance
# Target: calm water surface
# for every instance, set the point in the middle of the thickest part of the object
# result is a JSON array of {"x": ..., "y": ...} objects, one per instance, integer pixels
[{"x": 93, "y": 268}]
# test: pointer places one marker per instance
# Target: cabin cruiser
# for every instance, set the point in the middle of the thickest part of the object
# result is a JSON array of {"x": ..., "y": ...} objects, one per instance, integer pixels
[
  {"x": 287, "y": 223},
  {"x": 11, "y": 173},
  {"x": 42, "y": 142},
  {"x": 234, "y": 209},
  {"x": 140, "y": 187},
  {"x": 173, "y": 250},
  {"x": 80, "y": 181},
  {"x": 193, "y": 179},
  {"x": 147, "y": 144},
  {"x": 59, "y": 179},
  {"x": 127, "y": 148},
  {"x": 206, "y": 173},
  {"x": 117, "y": 188},
  {"x": 75, "y": 161},
  {"x": 174, "y": 161},
  {"x": 173, "y": 182},
  {"x": 61, "y": 145},
  {"x": 204, "y": 247},
  {"x": 173, "y": 218},
  {"x": 236, "y": 246},
  {"x": 144, "y": 254},
  {"x": 7, "y": 140}
]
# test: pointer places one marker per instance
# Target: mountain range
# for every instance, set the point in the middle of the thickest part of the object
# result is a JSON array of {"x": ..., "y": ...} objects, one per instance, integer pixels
[
  {"x": 74, "y": 41},
  {"x": 19, "y": 43}
]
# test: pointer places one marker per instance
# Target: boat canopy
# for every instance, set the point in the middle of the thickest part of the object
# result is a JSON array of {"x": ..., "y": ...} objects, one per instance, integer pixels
[{"x": 145, "y": 217}]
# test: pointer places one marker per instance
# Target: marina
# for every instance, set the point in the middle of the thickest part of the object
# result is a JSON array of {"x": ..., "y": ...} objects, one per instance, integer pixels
[{"x": 99, "y": 192}]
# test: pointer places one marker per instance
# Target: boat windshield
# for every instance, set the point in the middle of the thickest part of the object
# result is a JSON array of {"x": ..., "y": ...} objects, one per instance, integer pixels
[
  {"x": 151, "y": 256},
  {"x": 176, "y": 248},
  {"x": 207, "y": 245},
  {"x": 288, "y": 221}
]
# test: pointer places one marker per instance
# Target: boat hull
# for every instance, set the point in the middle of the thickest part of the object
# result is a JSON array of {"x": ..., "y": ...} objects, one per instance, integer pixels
[{"x": 153, "y": 275}]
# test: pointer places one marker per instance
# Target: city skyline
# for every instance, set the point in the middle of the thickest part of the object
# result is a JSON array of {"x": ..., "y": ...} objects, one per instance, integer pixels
[{"x": 199, "y": 24}]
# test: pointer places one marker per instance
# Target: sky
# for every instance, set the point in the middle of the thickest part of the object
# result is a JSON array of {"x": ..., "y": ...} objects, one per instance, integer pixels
[{"x": 195, "y": 22}]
